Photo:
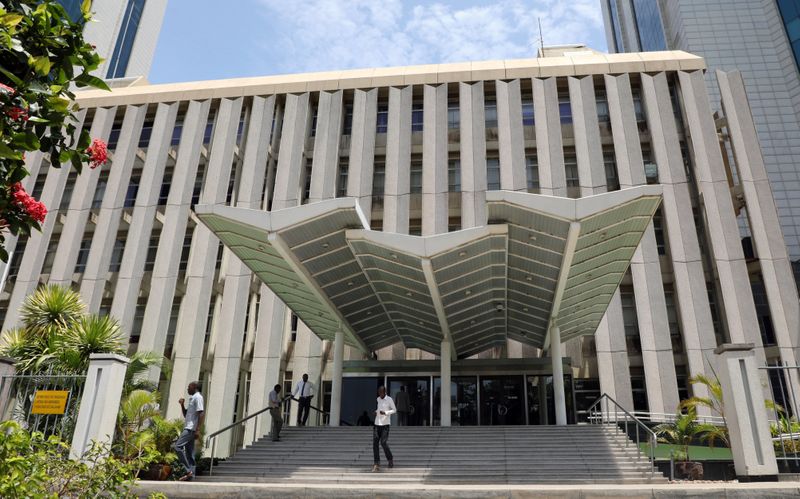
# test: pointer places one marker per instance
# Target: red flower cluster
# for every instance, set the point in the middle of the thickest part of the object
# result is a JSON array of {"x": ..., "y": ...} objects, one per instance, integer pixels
[
  {"x": 98, "y": 153},
  {"x": 17, "y": 113},
  {"x": 35, "y": 209}
]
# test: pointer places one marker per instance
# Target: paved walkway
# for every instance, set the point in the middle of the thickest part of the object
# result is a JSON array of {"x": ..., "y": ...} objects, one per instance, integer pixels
[{"x": 201, "y": 490}]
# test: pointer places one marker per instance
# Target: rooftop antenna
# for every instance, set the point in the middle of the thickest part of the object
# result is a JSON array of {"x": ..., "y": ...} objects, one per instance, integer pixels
[{"x": 541, "y": 38}]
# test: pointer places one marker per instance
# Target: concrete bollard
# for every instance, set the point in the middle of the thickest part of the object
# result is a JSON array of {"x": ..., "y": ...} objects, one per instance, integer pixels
[
  {"x": 97, "y": 416},
  {"x": 746, "y": 415}
]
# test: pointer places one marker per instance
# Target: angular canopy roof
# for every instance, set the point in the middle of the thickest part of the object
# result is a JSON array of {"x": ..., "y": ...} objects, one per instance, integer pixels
[{"x": 541, "y": 261}]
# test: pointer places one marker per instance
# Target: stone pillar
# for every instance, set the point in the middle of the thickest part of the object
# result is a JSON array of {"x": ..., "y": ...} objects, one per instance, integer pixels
[
  {"x": 473, "y": 154},
  {"x": 102, "y": 392},
  {"x": 336, "y": 379},
  {"x": 398, "y": 161},
  {"x": 558, "y": 376},
  {"x": 746, "y": 415},
  {"x": 444, "y": 394},
  {"x": 434, "y": 161},
  {"x": 6, "y": 371},
  {"x": 549, "y": 145}
]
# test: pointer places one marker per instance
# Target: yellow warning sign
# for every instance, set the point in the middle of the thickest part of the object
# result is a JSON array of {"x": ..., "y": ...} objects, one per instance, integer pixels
[{"x": 50, "y": 401}]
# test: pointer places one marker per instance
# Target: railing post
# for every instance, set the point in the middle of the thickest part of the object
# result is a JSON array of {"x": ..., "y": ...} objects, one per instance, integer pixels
[{"x": 213, "y": 449}]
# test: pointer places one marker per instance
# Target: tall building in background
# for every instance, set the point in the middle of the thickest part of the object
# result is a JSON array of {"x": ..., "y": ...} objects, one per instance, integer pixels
[
  {"x": 125, "y": 33},
  {"x": 759, "y": 37}
]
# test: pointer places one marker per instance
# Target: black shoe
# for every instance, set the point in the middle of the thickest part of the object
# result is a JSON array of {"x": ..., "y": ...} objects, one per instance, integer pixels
[{"x": 391, "y": 463}]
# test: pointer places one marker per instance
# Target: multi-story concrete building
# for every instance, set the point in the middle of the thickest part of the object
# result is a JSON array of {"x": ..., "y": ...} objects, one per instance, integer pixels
[
  {"x": 500, "y": 165},
  {"x": 124, "y": 32},
  {"x": 758, "y": 38}
]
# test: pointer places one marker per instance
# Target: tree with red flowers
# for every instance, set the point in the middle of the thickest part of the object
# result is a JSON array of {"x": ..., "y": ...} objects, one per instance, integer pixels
[{"x": 43, "y": 56}]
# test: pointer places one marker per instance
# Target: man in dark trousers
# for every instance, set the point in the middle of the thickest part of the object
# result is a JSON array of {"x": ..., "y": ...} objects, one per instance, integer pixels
[
  {"x": 275, "y": 412},
  {"x": 380, "y": 432},
  {"x": 305, "y": 390},
  {"x": 193, "y": 414}
]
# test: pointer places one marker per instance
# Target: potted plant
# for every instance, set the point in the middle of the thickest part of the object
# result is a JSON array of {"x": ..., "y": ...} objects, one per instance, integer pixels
[{"x": 681, "y": 432}]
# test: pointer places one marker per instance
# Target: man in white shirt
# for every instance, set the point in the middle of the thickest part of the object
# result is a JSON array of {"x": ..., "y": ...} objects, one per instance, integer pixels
[
  {"x": 275, "y": 412},
  {"x": 380, "y": 432},
  {"x": 305, "y": 390},
  {"x": 193, "y": 414}
]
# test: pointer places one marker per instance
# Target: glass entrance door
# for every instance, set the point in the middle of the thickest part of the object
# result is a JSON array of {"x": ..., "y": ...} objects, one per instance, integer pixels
[
  {"x": 502, "y": 400},
  {"x": 463, "y": 400},
  {"x": 541, "y": 403},
  {"x": 412, "y": 397}
]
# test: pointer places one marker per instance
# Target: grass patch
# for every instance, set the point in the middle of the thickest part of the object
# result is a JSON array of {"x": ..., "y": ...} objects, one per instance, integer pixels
[{"x": 696, "y": 452}]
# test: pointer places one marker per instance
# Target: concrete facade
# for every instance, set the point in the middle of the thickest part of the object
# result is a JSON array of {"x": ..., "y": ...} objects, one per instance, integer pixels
[
  {"x": 252, "y": 143},
  {"x": 744, "y": 35}
]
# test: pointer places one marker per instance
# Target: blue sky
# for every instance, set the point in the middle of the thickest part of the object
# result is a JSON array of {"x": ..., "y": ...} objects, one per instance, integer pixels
[{"x": 201, "y": 40}]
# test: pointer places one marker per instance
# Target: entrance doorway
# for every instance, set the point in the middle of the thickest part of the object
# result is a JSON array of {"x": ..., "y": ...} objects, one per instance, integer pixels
[
  {"x": 541, "y": 403},
  {"x": 418, "y": 394},
  {"x": 502, "y": 400}
]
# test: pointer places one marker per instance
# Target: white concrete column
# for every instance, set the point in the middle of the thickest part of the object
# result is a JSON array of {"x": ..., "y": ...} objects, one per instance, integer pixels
[
  {"x": 268, "y": 349},
  {"x": 176, "y": 218},
  {"x": 307, "y": 358},
  {"x": 36, "y": 248},
  {"x": 651, "y": 307},
  {"x": 79, "y": 205},
  {"x": 434, "y": 161},
  {"x": 558, "y": 376},
  {"x": 102, "y": 391},
  {"x": 33, "y": 163},
  {"x": 613, "y": 364},
  {"x": 445, "y": 392},
  {"x": 549, "y": 146},
  {"x": 131, "y": 272},
  {"x": 694, "y": 311},
  {"x": 105, "y": 233},
  {"x": 745, "y": 414},
  {"x": 721, "y": 225},
  {"x": 362, "y": 148},
  {"x": 473, "y": 154},
  {"x": 336, "y": 379},
  {"x": 510, "y": 136},
  {"x": 763, "y": 216},
  {"x": 191, "y": 327},
  {"x": 398, "y": 161},
  {"x": 326, "y": 147}
]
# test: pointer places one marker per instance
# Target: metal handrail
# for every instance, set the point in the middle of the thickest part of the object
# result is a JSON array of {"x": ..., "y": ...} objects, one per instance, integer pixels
[
  {"x": 597, "y": 415},
  {"x": 212, "y": 438}
]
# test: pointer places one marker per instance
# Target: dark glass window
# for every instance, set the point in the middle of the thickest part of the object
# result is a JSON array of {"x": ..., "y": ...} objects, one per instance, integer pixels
[
  {"x": 491, "y": 114},
  {"x": 378, "y": 178},
  {"x": 163, "y": 195},
  {"x": 610, "y": 164},
  {"x": 341, "y": 180},
  {"x": 453, "y": 116},
  {"x": 454, "y": 175},
  {"x": 416, "y": 176},
  {"x": 648, "y": 25},
  {"x": 347, "y": 127},
  {"x": 527, "y": 113},
  {"x": 382, "y": 124},
  {"x": 492, "y": 174},
  {"x": 616, "y": 25},
  {"x": 125, "y": 38},
  {"x": 571, "y": 167},
  {"x": 100, "y": 190},
  {"x": 532, "y": 171},
  {"x": 83, "y": 255},
  {"x": 133, "y": 190},
  {"x": 564, "y": 110},
  {"x": 116, "y": 255},
  {"x": 790, "y": 12},
  {"x": 763, "y": 313},
  {"x": 187, "y": 246},
  {"x": 417, "y": 117}
]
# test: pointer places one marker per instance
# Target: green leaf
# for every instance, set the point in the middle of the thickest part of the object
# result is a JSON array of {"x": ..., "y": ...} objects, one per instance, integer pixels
[
  {"x": 7, "y": 152},
  {"x": 26, "y": 140},
  {"x": 11, "y": 20},
  {"x": 86, "y": 79},
  {"x": 41, "y": 64},
  {"x": 11, "y": 76}
]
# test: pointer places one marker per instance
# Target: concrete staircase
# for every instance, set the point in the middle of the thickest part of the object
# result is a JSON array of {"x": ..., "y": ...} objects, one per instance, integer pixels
[{"x": 452, "y": 455}]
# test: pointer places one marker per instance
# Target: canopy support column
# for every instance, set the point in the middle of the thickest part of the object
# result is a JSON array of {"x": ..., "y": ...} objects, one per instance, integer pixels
[
  {"x": 444, "y": 412},
  {"x": 558, "y": 376},
  {"x": 336, "y": 379}
]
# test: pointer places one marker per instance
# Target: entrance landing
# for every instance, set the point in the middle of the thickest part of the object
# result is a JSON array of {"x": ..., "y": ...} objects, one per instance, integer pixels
[{"x": 436, "y": 455}]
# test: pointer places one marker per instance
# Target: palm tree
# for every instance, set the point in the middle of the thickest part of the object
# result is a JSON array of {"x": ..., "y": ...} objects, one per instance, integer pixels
[
  {"x": 680, "y": 432},
  {"x": 713, "y": 401}
]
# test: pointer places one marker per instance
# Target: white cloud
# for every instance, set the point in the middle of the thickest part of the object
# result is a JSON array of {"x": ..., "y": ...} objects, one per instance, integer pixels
[{"x": 314, "y": 35}]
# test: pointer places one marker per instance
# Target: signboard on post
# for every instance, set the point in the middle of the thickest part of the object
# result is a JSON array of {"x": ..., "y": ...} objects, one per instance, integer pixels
[{"x": 50, "y": 402}]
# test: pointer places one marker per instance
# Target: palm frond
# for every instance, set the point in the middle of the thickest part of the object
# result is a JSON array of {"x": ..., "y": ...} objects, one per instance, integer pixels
[{"x": 51, "y": 307}]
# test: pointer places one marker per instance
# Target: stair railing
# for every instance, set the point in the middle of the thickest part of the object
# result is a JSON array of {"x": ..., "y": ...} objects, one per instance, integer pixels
[
  {"x": 606, "y": 410},
  {"x": 211, "y": 440}
]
